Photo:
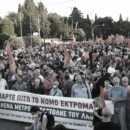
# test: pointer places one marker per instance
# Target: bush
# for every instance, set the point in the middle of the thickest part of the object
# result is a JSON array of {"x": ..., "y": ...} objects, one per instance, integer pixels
[
  {"x": 15, "y": 42},
  {"x": 3, "y": 38},
  {"x": 36, "y": 40},
  {"x": 79, "y": 34}
]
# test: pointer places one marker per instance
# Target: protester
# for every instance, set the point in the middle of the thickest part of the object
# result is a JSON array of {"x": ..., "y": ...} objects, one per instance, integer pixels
[
  {"x": 48, "y": 83},
  {"x": 97, "y": 110},
  {"x": 67, "y": 86},
  {"x": 19, "y": 84},
  {"x": 3, "y": 83},
  {"x": 83, "y": 60},
  {"x": 55, "y": 91},
  {"x": 37, "y": 87},
  {"x": 40, "y": 120},
  {"x": 79, "y": 89},
  {"x": 106, "y": 123},
  {"x": 125, "y": 83},
  {"x": 117, "y": 95},
  {"x": 98, "y": 81}
]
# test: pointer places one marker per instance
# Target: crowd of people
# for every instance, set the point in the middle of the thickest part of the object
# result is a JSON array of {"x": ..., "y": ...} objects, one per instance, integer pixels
[{"x": 48, "y": 70}]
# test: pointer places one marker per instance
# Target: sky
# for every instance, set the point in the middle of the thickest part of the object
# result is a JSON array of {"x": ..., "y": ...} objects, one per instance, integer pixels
[{"x": 103, "y": 8}]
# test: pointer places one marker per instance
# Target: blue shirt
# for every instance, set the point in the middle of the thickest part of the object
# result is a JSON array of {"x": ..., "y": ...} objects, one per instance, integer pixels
[
  {"x": 80, "y": 91},
  {"x": 58, "y": 92},
  {"x": 118, "y": 93}
]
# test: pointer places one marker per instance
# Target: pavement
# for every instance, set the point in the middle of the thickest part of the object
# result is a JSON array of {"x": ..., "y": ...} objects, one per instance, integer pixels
[{"x": 12, "y": 125}]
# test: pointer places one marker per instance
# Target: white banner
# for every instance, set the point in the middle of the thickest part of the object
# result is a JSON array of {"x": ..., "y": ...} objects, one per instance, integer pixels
[{"x": 74, "y": 113}]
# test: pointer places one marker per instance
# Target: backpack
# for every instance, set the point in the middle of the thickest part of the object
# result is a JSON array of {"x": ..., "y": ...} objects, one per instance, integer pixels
[{"x": 50, "y": 118}]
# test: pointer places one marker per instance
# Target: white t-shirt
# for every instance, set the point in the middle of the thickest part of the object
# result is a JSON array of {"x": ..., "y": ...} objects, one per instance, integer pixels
[{"x": 3, "y": 84}]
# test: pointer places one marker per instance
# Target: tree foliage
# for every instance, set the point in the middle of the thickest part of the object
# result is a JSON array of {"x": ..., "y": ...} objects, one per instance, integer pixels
[
  {"x": 30, "y": 17},
  {"x": 6, "y": 27},
  {"x": 3, "y": 38},
  {"x": 43, "y": 19},
  {"x": 33, "y": 17},
  {"x": 15, "y": 42}
]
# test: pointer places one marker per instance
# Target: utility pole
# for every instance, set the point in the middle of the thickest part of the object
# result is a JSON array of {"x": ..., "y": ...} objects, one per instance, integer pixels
[{"x": 92, "y": 30}]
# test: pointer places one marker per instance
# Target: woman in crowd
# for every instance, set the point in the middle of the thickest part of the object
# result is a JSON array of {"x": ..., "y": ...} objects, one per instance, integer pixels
[
  {"x": 41, "y": 121},
  {"x": 55, "y": 91}
]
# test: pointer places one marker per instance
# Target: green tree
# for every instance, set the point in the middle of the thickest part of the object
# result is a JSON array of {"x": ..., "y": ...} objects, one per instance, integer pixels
[
  {"x": 30, "y": 17},
  {"x": 86, "y": 26},
  {"x": 57, "y": 25},
  {"x": 76, "y": 17},
  {"x": 96, "y": 17},
  {"x": 105, "y": 30},
  {"x": 6, "y": 27},
  {"x": 3, "y": 38},
  {"x": 43, "y": 19},
  {"x": 120, "y": 18},
  {"x": 15, "y": 42},
  {"x": 79, "y": 34},
  {"x": 88, "y": 17},
  {"x": 15, "y": 18}
]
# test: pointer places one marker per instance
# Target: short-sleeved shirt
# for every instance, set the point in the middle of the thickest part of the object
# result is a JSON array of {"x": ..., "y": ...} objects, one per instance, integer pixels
[
  {"x": 20, "y": 86},
  {"x": 118, "y": 93},
  {"x": 79, "y": 92},
  {"x": 58, "y": 92}
]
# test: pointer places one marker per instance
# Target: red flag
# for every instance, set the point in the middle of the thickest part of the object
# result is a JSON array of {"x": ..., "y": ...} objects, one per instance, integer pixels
[
  {"x": 102, "y": 97},
  {"x": 119, "y": 38},
  {"x": 129, "y": 43},
  {"x": 102, "y": 41},
  {"x": 72, "y": 43},
  {"x": 90, "y": 42},
  {"x": 112, "y": 36},
  {"x": 97, "y": 39},
  {"x": 66, "y": 55},
  {"x": 109, "y": 40},
  {"x": 87, "y": 55},
  {"x": 11, "y": 59},
  {"x": 101, "y": 62}
]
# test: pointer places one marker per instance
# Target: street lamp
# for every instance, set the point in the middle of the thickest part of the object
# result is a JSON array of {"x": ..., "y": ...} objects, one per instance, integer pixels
[{"x": 92, "y": 30}]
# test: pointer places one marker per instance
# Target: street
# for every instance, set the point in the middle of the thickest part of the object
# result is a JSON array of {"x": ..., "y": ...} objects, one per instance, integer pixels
[{"x": 12, "y": 125}]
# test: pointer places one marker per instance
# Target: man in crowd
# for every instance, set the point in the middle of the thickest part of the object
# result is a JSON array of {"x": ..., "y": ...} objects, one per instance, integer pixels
[
  {"x": 117, "y": 95},
  {"x": 19, "y": 84},
  {"x": 48, "y": 83},
  {"x": 125, "y": 83},
  {"x": 3, "y": 83},
  {"x": 37, "y": 87},
  {"x": 79, "y": 89}
]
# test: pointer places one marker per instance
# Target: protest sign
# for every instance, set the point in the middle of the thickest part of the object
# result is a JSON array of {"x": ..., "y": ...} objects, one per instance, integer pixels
[{"x": 76, "y": 113}]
